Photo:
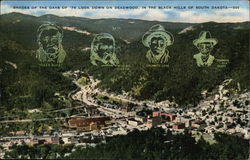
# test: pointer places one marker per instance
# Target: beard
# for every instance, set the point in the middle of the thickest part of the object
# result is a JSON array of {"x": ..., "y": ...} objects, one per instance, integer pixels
[
  {"x": 107, "y": 55},
  {"x": 158, "y": 51},
  {"x": 51, "y": 53},
  {"x": 51, "y": 48}
]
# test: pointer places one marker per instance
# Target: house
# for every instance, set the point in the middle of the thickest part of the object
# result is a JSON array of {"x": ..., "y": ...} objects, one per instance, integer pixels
[
  {"x": 179, "y": 125},
  {"x": 55, "y": 140},
  {"x": 73, "y": 140},
  {"x": 156, "y": 114},
  {"x": 168, "y": 116},
  {"x": 141, "y": 119},
  {"x": 134, "y": 122},
  {"x": 34, "y": 141},
  {"x": 197, "y": 123},
  {"x": 184, "y": 119}
]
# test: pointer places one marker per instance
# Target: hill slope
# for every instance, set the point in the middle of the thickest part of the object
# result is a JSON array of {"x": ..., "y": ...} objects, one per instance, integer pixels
[{"x": 182, "y": 81}]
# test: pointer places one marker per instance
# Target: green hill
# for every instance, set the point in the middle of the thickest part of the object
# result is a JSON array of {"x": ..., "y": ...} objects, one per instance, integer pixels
[{"x": 30, "y": 85}]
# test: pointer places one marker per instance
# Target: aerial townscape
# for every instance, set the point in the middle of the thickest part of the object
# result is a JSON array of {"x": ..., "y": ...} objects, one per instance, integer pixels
[{"x": 98, "y": 116}]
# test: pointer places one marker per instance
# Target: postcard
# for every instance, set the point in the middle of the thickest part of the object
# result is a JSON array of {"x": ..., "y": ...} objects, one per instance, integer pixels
[{"x": 123, "y": 79}]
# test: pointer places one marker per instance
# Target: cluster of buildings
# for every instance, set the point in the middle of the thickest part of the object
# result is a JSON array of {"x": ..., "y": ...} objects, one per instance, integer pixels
[
  {"x": 217, "y": 113},
  {"x": 98, "y": 121},
  {"x": 229, "y": 115},
  {"x": 226, "y": 114}
]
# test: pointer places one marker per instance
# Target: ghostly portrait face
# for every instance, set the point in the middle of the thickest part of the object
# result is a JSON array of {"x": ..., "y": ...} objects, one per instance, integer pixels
[
  {"x": 205, "y": 47},
  {"x": 50, "y": 40},
  {"x": 50, "y": 51},
  {"x": 157, "y": 39},
  {"x": 103, "y": 50},
  {"x": 205, "y": 44},
  {"x": 157, "y": 45}
]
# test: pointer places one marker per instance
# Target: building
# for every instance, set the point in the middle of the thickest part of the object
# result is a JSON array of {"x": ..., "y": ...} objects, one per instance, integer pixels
[
  {"x": 46, "y": 140},
  {"x": 134, "y": 122},
  {"x": 126, "y": 109},
  {"x": 154, "y": 121},
  {"x": 156, "y": 114},
  {"x": 34, "y": 142},
  {"x": 179, "y": 125},
  {"x": 55, "y": 140},
  {"x": 141, "y": 119},
  {"x": 167, "y": 116},
  {"x": 184, "y": 119},
  {"x": 88, "y": 124},
  {"x": 73, "y": 140},
  {"x": 52, "y": 140},
  {"x": 91, "y": 110},
  {"x": 197, "y": 123}
]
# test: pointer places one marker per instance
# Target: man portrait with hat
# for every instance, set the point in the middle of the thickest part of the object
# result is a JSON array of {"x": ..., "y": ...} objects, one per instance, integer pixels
[
  {"x": 103, "y": 50},
  {"x": 205, "y": 44},
  {"x": 157, "y": 39},
  {"x": 50, "y": 51}
]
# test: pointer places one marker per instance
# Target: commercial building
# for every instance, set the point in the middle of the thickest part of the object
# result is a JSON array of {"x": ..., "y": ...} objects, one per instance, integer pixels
[
  {"x": 88, "y": 124},
  {"x": 166, "y": 116}
]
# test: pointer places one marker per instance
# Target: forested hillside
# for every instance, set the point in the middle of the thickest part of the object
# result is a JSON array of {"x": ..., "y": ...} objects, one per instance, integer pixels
[{"x": 26, "y": 85}]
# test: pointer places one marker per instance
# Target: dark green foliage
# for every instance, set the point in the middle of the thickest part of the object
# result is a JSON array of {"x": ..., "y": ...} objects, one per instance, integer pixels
[
  {"x": 152, "y": 144},
  {"x": 45, "y": 151},
  {"x": 27, "y": 85},
  {"x": 155, "y": 144},
  {"x": 182, "y": 81}
]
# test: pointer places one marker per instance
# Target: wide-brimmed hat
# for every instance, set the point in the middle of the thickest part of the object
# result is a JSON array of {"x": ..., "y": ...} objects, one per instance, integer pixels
[
  {"x": 205, "y": 36},
  {"x": 155, "y": 31}
]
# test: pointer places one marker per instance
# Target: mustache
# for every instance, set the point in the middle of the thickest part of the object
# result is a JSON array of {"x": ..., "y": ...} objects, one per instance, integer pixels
[
  {"x": 107, "y": 54},
  {"x": 51, "y": 49}
]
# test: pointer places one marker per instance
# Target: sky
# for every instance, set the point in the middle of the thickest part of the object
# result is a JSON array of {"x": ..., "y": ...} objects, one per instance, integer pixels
[{"x": 191, "y": 15}]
